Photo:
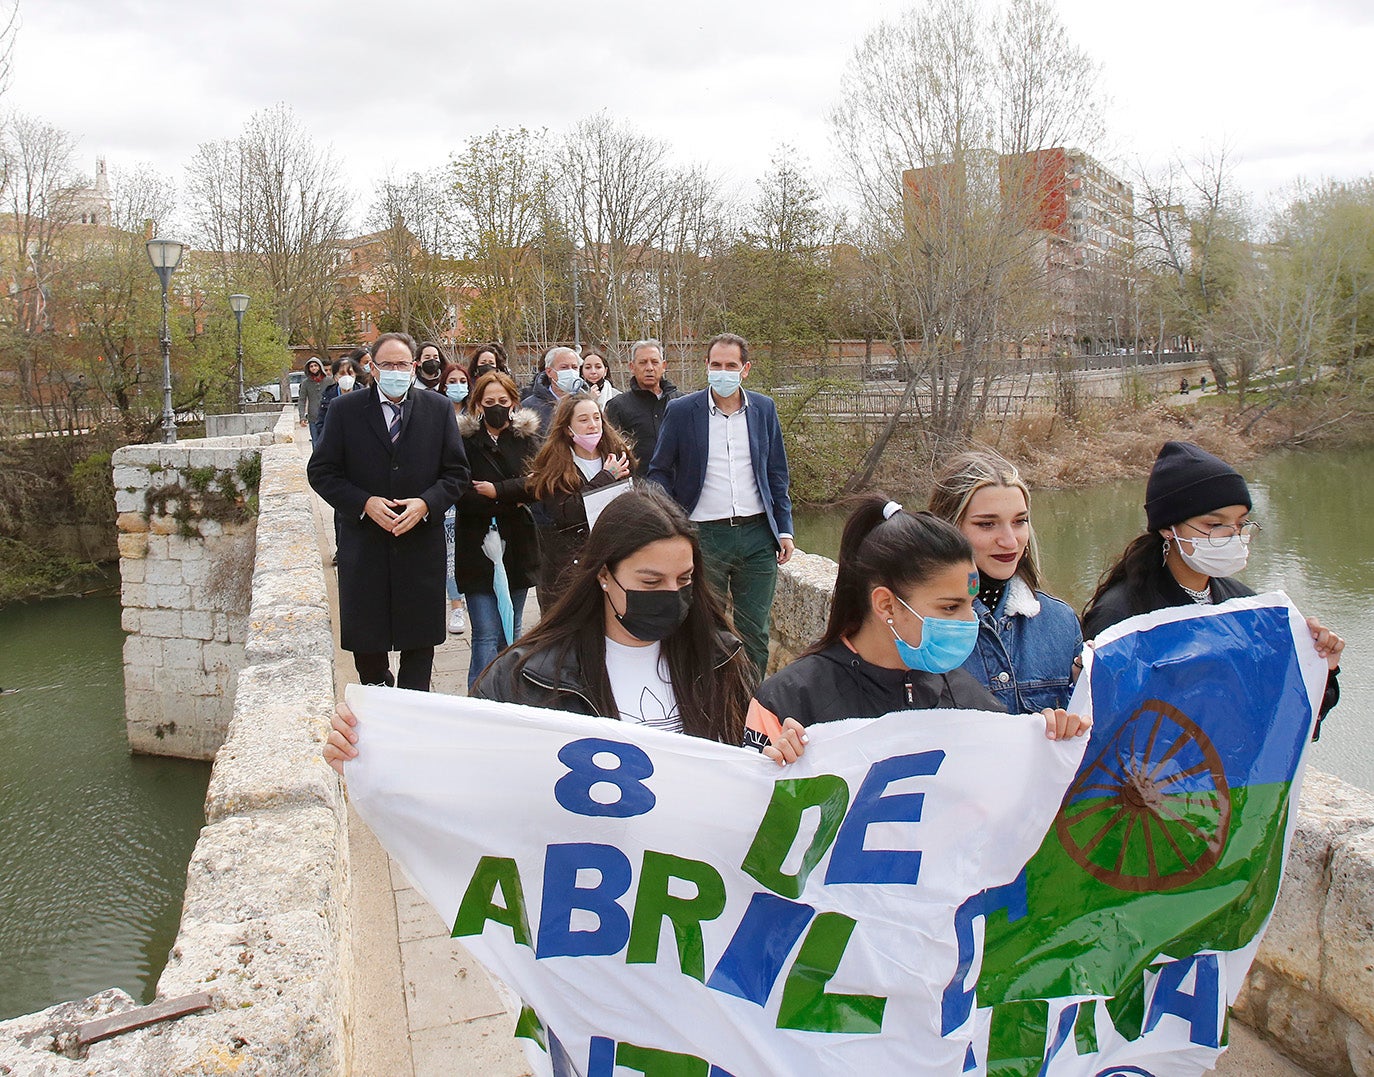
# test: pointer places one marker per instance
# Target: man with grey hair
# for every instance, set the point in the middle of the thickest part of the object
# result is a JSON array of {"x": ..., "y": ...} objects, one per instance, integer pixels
[
  {"x": 562, "y": 368},
  {"x": 638, "y": 411}
]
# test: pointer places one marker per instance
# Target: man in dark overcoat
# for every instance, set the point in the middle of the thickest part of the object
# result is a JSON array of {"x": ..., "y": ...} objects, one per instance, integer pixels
[{"x": 390, "y": 462}]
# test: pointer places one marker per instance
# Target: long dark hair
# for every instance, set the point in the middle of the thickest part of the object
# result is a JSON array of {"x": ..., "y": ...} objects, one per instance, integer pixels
[
  {"x": 553, "y": 470},
  {"x": 712, "y": 695},
  {"x": 502, "y": 364},
  {"x": 1141, "y": 568},
  {"x": 897, "y": 552}
]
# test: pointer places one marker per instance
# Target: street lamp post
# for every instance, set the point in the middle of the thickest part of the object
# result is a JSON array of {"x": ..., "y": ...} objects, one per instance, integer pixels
[
  {"x": 165, "y": 256},
  {"x": 239, "y": 304}
]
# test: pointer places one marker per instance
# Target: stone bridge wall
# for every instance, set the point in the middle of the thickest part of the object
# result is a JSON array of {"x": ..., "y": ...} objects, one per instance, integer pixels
[
  {"x": 1311, "y": 987},
  {"x": 264, "y": 927}
]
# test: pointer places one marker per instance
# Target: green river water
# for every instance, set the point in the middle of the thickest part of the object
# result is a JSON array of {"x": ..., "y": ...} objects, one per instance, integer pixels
[
  {"x": 1317, "y": 515},
  {"x": 94, "y": 842}
]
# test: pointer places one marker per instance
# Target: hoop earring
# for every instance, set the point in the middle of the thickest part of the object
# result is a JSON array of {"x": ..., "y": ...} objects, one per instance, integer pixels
[{"x": 1167, "y": 547}]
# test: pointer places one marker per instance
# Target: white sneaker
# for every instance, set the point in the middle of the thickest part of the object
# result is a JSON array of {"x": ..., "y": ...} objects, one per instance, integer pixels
[{"x": 457, "y": 621}]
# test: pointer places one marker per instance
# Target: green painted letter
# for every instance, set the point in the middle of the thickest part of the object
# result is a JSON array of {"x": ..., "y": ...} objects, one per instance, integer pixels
[
  {"x": 653, "y": 903},
  {"x": 479, "y": 900},
  {"x": 805, "y": 1006},
  {"x": 781, "y": 822}
]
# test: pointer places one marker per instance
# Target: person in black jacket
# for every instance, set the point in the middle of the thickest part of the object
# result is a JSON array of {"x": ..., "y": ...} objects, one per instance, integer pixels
[
  {"x": 390, "y": 463},
  {"x": 1197, "y": 510},
  {"x": 638, "y": 636},
  {"x": 500, "y": 440},
  {"x": 901, "y": 625},
  {"x": 637, "y": 412},
  {"x": 579, "y": 454}
]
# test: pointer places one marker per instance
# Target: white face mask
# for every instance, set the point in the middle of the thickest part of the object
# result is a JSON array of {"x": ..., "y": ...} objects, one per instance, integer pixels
[
  {"x": 345, "y": 382},
  {"x": 1214, "y": 561}
]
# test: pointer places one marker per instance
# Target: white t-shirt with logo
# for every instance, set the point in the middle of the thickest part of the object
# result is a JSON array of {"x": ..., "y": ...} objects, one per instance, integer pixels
[
  {"x": 590, "y": 468},
  {"x": 640, "y": 683}
]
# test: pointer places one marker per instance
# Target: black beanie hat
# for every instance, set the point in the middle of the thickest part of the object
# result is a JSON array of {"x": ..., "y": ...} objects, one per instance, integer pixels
[{"x": 1187, "y": 481}]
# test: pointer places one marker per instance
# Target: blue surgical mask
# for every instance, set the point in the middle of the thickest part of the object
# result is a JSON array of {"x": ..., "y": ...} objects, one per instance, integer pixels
[
  {"x": 457, "y": 391},
  {"x": 945, "y": 644},
  {"x": 569, "y": 381},
  {"x": 395, "y": 383},
  {"x": 724, "y": 382}
]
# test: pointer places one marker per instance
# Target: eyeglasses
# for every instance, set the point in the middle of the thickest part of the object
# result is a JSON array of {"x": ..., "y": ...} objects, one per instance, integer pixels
[
  {"x": 1221, "y": 534},
  {"x": 403, "y": 365}
]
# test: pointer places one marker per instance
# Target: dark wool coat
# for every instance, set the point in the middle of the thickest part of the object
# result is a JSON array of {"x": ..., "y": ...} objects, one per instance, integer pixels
[
  {"x": 506, "y": 465},
  {"x": 391, "y": 588},
  {"x": 561, "y": 519}
]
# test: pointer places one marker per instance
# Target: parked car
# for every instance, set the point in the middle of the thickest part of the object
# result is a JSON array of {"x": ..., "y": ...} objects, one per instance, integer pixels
[{"x": 264, "y": 394}]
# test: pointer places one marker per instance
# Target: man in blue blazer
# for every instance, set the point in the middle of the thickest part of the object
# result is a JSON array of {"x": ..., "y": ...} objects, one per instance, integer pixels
[{"x": 720, "y": 455}]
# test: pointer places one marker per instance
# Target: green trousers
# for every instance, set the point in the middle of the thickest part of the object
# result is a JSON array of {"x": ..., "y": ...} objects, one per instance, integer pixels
[{"x": 742, "y": 562}]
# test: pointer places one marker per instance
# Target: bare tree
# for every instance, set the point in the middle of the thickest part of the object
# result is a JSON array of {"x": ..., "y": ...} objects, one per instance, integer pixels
[
  {"x": 944, "y": 126},
  {"x": 415, "y": 277},
  {"x": 618, "y": 192},
  {"x": 271, "y": 200},
  {"x": 498, "y": 199}
]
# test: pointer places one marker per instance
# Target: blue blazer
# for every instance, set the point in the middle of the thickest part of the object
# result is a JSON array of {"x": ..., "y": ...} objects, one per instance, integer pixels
[{"x": 679, "y": 462}]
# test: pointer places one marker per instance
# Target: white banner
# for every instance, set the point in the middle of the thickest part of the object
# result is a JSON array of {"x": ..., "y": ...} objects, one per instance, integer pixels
[{"x": 672, "y": 906}]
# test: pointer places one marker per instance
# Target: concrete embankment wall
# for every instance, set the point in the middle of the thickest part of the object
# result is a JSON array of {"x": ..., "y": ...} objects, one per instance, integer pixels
[
  {"x": 264, "y": 926},
  {"x": 1311, "y": 987}
]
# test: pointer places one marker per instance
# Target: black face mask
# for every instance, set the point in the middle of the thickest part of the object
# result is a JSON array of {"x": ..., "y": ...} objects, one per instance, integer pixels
[
  {"x": 485, "y": 368},
  {"x": 654, "y": 615},
  {"x": 430, "y": 367},
  {"x": 496, "y": 415}
]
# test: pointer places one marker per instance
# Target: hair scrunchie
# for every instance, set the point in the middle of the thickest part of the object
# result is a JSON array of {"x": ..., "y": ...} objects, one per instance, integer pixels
[{"x": 891, "y": 509}]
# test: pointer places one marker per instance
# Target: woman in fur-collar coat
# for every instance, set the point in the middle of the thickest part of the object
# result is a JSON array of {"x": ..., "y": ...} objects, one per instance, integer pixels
[{"x": 501, "y": 440}]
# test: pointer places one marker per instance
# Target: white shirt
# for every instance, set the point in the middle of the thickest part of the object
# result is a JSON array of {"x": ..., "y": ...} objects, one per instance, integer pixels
[
  {"x": 589, "y": 468},
  {"x": 641, "y": 685},
  {"x": 730, "y": 488}
]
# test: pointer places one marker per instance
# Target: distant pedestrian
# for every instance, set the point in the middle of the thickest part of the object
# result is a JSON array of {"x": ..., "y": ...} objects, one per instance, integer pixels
[
  {"x": 1183, "y": 386},
  {"x": 501, "y": 440},
  {"x": 486, "y": 358},
  {"x": 430, "y": 369},
  {"x": 454, "y": 383},
  {"x": 580, "y": 454},
  {"x": 562, "y": 368},
  {"x": 596, "y": 372},
  {"x": 312, "y": 390},
  {"x": 390, "y": 463},
  {"x": 637, "y": 412},
  {"x": 720, "y": 454}
]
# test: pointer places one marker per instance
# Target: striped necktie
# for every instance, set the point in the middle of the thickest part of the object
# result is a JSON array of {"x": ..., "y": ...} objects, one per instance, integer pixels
[{"x": 394, "y": 426}]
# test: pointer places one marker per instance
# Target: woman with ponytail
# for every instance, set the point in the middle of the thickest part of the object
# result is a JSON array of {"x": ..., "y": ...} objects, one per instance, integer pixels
[{"x": 901, "y": 626}]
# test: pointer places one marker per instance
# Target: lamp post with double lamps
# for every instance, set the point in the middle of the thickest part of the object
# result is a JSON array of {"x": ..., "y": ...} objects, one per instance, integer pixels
[
  {"x": 165, "y": 256},
  {"x": 239, "y": 304}
]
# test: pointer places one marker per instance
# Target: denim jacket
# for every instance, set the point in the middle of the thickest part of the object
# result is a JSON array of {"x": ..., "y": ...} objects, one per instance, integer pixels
[{"x": 1025, "y": 649}]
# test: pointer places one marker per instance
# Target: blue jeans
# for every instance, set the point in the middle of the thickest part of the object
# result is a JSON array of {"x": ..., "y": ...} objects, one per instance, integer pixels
[
  {"x": 316, "y": 431},
  {"x": 450, "y": 583},
  {"x": 488, "y": 636}
]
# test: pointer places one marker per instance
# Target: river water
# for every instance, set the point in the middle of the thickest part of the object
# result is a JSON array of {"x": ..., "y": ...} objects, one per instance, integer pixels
[
  {"x": 94, "y": 841},
  {"x": 1317, "y": 514}
]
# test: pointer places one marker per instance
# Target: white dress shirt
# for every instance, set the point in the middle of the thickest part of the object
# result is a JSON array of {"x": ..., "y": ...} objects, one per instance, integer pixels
[{"x": 730, "y": 488}]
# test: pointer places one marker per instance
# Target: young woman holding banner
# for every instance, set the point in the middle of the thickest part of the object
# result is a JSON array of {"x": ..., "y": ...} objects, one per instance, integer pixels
[
  {"x": 1197, "y": 510},
  {"x": 637, "y": 636},
  {"x": 901, "y": 626}
]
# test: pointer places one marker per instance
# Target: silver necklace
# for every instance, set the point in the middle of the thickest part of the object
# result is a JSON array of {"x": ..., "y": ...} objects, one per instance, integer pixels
[{"x": 1202, "y": 598}]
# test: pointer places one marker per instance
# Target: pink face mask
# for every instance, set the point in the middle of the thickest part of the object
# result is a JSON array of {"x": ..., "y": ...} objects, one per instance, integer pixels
[{"x": 587, "y": 442}]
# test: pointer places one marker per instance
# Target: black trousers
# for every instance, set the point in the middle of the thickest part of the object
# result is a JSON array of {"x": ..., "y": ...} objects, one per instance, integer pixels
[{"x": 374, "y": 667}]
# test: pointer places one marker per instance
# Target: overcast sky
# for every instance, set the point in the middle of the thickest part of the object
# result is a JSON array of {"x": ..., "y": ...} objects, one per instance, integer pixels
[{"x": 398, "y": 84}]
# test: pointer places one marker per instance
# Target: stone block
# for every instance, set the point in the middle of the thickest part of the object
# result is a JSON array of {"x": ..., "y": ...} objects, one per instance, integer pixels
[
  {"x": 191, "y": 550},
  {"x": 133, "y": 570},
  {"x": 133, "y": 594},
  {"x": 169, "y": 597},
  {"x": 131, "y": 522},
  {"x": 198, "y": 624},
  {"x": 221, "y": 657},
  {"x": 133, "y": 546},
  {"x": 165, "y": 624},
  {"x": 29, "y": 1044},
  {"x": 123, "y": 477},
  {"x": 259, "y": 864},
  {"x": 211, "y": 528},
  {"x": 279, "y": 998},
  {"x": 271, "y": 757},
  {"x": 162, "y": 525},
  {"x": 164, "y": 571},
  {"x": 142, "y": 652},
  {"x": 195, "y": 571},
  {"x": 157, "y": 546},
  {"x": 182, "y": 653},
  {"x": 1359, "y": 1046},
  {"x": 130, "y": 501},
  {"x": 140, "y": 678},
  {"x": 289, "y": 631},
  {"x": 128, "y": 619},
  {"x": 1348, "y": 927}
]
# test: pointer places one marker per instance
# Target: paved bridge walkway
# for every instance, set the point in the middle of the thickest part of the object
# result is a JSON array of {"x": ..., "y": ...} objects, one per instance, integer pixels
[{"x": 425, "y": 1007}]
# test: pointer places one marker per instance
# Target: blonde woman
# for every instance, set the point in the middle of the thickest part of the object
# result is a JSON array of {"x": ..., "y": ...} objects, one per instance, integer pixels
[{"x": 1028, "y": 641}]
